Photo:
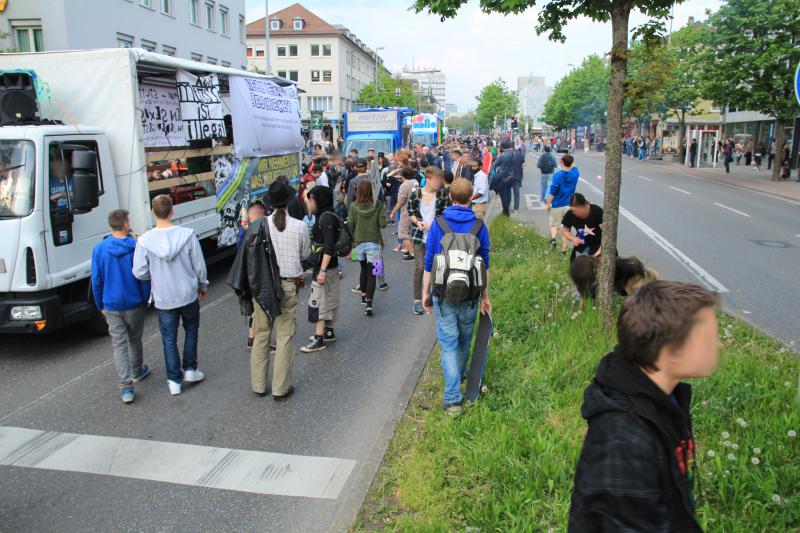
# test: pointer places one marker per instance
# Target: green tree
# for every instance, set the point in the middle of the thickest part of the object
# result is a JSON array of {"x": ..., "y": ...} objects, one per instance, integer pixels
[
  {"x": 581, "y": 97},
  {"x": 460, "y": 121},
  {"x": 751, "y": 58},
  {"x": 387, "y": 93},
  {"x": 553, "y": 18},
  {"x": 495, "y": 101}
]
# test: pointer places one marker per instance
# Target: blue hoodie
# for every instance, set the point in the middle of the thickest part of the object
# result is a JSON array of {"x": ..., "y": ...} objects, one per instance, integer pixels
[
  {"x": 460, "y": 219},
  {"x": 564, "y": 184},
  {"x": 113, "y": 284}
]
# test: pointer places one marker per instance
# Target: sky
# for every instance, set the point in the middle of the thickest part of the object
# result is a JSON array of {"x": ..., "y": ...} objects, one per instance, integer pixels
[{"x": 474, "y": 48}]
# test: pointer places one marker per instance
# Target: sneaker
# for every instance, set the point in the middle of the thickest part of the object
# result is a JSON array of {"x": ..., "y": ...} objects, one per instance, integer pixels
[
  {"x": 553, "y": 244},
  {"x": 328, "y": 336},
  {"x": 368, "y": 308},
  {"x": 314, "y": 346},
  {"x": 356, "y": 289},
  {"x": 127, "y": 395},
  {"x": 453, "y": 409},
  {"x": 418, "y": 309},
  {"x": 174, "y": 387},
  {"x": 363, "y": 300},
  {"x": 407, "y": 257},
  {"x": 383, "y": 286},
  {"x": 250, "y": 341},
  {"x": 143, "y": 373},
  {"x": 193, "y": 376},
  {"x": 397, "y": 249},
  {"x": 283, "y": 397}
]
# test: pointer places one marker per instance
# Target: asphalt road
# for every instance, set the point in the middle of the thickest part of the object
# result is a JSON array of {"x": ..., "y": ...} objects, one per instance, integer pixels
[
  {"x": 347, "y": 402},
  {"x": 742, "y": 243}
]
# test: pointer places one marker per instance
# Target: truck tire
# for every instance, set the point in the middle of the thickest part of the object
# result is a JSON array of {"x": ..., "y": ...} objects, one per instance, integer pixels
[{"x": 96, "y": 325}]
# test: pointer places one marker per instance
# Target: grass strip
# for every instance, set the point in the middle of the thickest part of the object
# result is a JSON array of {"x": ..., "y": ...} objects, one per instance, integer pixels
[{"x": 507, "y": 463}]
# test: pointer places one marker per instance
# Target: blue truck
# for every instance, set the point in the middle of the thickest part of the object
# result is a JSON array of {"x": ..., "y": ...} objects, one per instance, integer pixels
[{"x": 381, "y": 129}]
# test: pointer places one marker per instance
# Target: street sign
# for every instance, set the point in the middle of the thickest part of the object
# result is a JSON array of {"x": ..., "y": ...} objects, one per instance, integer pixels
[
  {"x": 316, "y": 120},
  {"x": 797, "y": 84}
]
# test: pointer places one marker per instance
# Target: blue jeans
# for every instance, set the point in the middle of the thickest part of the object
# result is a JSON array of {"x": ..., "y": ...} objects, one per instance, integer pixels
[
  {"x": 545, "y": 184},
  {"x": 168, "y": 320},
  {"x": 455, "y": 323}
]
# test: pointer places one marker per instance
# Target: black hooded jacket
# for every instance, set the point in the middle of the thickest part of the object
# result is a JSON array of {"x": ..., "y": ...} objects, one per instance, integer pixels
[
  {"x": 254, "y": 274},
  {"x": 636, "y": 468}
]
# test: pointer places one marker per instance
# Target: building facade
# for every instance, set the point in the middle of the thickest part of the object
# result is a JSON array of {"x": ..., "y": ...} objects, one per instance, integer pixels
[
  {"x": 451, "y": 109},
  {"x": 432, "y": 84},
  {"x": 211, "y": 31},
  {"x": 328, "y": 62},
  {"x": 533, "y": 93}
]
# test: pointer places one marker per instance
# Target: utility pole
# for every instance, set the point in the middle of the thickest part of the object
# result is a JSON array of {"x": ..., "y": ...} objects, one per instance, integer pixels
[
  {"x": 267, "y": 69},
  {"x": 377, "y": 82}
]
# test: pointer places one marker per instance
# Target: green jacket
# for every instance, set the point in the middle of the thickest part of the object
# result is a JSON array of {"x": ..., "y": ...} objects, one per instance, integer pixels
[{"x": 366, "y": 221}]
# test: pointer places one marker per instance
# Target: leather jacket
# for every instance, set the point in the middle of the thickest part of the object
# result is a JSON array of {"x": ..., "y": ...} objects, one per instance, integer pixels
[{"x": 254, "y": 274}]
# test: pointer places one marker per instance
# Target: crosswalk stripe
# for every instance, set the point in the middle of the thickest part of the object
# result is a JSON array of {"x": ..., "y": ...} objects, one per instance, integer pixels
[{"x": 169, "y": 462}]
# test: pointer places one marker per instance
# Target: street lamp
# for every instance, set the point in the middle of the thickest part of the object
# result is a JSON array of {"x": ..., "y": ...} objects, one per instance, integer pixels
[{"x": 376, "y": 68}]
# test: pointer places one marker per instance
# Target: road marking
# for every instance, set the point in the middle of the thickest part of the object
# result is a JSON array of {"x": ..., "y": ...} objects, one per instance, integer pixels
[
  {"x": 645, "y": 179},
  {"x": 732, "y": 209},
  {"x": 680, "y": 190},
  {"x": 169, "y": 462},
  {"x": 797, "y": 235},
  {"x": 687, "y": 262},
  {"x": 532, "y": 200}
]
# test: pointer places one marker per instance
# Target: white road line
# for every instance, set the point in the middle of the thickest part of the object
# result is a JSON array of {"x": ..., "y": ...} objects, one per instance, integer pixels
[
  {"x": 732, "y": 209},
  {"x": 169, "y": 462},
  {"x": 680, "y": 190},
  {"x": 797, "y": 235},
  {"x": 531, "y": 200},
  {"x": 687, "y": 262},
  {"x": 645, "y": 179}
]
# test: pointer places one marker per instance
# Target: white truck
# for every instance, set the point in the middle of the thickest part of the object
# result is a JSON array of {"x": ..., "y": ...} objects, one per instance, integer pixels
[{"x": 59, "y": 178}]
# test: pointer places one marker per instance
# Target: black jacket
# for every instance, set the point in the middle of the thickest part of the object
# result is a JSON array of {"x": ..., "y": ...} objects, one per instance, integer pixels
[
  {"x": 518, "y": 161},
  {"x": 503, "y": 170},
  {"x": 636, "y": 468},
  {"x": 254, "y": 274}
]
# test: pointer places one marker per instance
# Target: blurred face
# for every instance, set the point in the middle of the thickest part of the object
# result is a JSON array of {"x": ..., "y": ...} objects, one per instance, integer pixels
[
  {"x": 312, "y": 205},
  {"x": 255, "y": 212},
  {"x": 434, "y": 183},
  {"x": 699, "y": 355},
  {"x": 580, "y": 211},
  {"x": 361, "y": 169}
]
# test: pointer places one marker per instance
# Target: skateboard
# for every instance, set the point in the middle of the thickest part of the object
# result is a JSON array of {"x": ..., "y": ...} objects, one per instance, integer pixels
[{"x": 478, "y": 362}]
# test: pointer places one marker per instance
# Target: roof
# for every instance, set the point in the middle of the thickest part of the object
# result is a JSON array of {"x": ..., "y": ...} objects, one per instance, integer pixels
[{"x": 313, "y": 24}]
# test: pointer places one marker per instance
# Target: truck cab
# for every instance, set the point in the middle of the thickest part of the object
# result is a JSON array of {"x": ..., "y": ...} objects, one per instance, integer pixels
[{"x": 57, "y": 186}]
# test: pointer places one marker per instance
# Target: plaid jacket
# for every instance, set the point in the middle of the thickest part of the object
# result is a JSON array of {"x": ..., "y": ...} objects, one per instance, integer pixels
[{"x": 414, "y": 199}]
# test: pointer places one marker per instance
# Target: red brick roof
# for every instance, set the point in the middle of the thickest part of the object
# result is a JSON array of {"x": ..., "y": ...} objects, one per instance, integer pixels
[{"x": 313, "y": 25}]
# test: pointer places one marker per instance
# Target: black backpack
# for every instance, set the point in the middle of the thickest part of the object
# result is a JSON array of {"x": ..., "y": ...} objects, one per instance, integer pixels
[
  {"x": 344, "y": 244},
  {"x": 548, "y": 163}
]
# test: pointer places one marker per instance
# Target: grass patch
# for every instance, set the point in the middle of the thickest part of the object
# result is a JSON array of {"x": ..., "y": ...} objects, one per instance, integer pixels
[{"x": 507, "y": 463}]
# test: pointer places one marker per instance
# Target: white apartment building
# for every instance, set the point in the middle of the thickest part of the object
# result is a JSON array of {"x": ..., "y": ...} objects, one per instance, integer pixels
[
  {"x": 328, "y": 62},
  {"x": 432, "y": 82},
  {"x": 533, "y": 95},
  {"x": 211, "y": 31}
]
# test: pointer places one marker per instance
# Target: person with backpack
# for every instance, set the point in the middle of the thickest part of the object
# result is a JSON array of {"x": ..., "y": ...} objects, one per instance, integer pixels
[
  {"x": 329, "y": 238},
  {"x": 456, "y": 287},
  {"x": 504, "y": 175},
  {"x": 366, "y": 220},
  {"x": 547, "y": 165}
]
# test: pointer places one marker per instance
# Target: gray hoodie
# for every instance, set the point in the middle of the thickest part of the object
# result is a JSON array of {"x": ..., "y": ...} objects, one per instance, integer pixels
[{"x": 171, "y": 258}]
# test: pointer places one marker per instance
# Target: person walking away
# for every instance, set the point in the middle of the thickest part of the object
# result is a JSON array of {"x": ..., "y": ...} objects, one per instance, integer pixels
[
  {"x": 727, "y": 154},
  {"x": 456, "y": 310},
  {"x": 693, "y": 153},
  {"x": 547, "y": 165},
  {"x": 170, "y": 257},
  {"x": 771, "y": 156},
  {"x": 443, "y": 195},
  {"x": 410, "y": 182},
  {"x": 480, "y": 192},
  {"x": 563, "y": 186},
  {"x": 638, "y": 412},
  {"x": 366, "y": 220},
  {"x": 748, "y": 153},
  {"x": 519, "y": 162},
  {"x": 324, "y": 235},
  {"x": 739, "y": 153},
  {"x": 504, "y": 175},
  {"x": 758, "y": 155},
  {"x": 256, "y": 211},
  {"x": 422, "y": 210},
  {"x": 486, "y": 159},
  {"x": 587, "y": 221},
  {"x": 123, "y": 301}
]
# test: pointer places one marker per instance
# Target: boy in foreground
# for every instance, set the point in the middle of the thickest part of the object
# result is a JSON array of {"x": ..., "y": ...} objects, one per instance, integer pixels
[{"x": 637, "y": 465}]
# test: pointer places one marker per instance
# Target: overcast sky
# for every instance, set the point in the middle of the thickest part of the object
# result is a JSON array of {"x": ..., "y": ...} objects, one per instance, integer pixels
[{"x": 474, "y": 48}]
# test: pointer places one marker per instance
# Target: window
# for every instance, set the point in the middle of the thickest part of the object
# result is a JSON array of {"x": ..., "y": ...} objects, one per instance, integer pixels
[
  {"x": 124, "y": 41},
  {"x": 320, "y": 103},
  {"x": 314, "y": 50},
  {"x": 292, "y": 50},
  {"x": 226, "y": 63},
  {"x": 166, "y": 7},
  {"x": 275, "y": 24},
  {"x": 150, "y": 46},
  {"x": 259, "y": 51},
  {"x": 197, "y": 57},
  {"x": 210, "y": 17},
  {"x": 211, "y": 60},
  {"x": 347, "y": 55},
  {"x": 241, "y": 29},
  {"x": 326, "y": 49},
  {"x": 145, "y": 3},
  {"x": 282, "y": 73},
  {"x": 194, "y": 12},
  {"x": 249, "y": 51},
  {"x": 298, "y": 24},
  {"x": 293, "y": 75},
  {"x": 223, "y": 21},
  {"x": 168, "y": 50},
  {"x": 314, "y": 76},
  {"x": 281, "y": 51},
  {"x": 30, "y": 39},
  {"x": 327, "y": 76}
]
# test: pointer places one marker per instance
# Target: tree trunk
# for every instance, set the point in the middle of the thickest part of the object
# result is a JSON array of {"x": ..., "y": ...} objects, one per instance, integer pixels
[
  {"x": 780, "y": 125},
  {"x": 613, "y": 179}
]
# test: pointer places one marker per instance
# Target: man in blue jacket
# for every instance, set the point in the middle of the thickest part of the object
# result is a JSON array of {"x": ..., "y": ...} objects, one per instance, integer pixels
[
  {"x": 455, "y": 321},
  {"x": 565, "y": 181},
  {"x": 122, "y": 299}
]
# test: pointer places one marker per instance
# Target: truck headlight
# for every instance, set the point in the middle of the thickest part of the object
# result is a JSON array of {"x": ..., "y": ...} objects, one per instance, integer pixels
[{"x": 26, "y": 312}]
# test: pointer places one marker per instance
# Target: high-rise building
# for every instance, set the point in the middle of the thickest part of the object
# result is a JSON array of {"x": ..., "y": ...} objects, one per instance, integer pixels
[
  {"x": 533, "y": 94},
  {"x": 432, "y": 84},
  {"x": 451, "y": 109}
]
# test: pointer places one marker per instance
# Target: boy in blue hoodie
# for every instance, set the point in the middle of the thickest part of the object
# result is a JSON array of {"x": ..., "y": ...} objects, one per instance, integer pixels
[
  {"x": 565, "y": 181},
  {"x": 455, "y": 321},
  {"x": 122, "y": 299}
]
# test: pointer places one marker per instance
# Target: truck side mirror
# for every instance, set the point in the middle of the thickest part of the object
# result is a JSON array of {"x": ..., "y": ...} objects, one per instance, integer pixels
[{"x": 85, "y": 191}]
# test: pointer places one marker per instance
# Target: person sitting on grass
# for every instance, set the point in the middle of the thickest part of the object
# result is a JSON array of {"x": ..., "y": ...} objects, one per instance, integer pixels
[{"x": 637, "y": 466}]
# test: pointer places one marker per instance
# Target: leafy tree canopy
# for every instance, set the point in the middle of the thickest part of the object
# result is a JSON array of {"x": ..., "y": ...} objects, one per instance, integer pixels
[
  {"x": 495, "y": 101},
  {"x": 581, "y": 97},
  {"x": 386, "y": 93}
]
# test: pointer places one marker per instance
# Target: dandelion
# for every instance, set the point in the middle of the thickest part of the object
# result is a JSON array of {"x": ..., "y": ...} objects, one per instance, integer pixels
[
  {"x": 549, "y": 315},
  {"x": 735, "y": 446},
  {"x": 726, "y": 435},
  {"x": 727, "y": 443},
  {"x": 536, "y": 306},
  {"x": 787, "y": 383},
  {"x": 731, "y": 457},
  {"x": 776, "y": 498},
  {"x": 792, "y": 433},
  {"x": 755, "y": 460},
  {"x": 741, "y": 422},
  {"x": 711, "y": 453}
]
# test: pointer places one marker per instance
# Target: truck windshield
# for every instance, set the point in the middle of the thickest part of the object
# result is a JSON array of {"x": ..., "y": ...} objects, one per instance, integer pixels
[
  {"x": 16, "y": 178},
  {"x": 362, "y": 145},
  {"x": 422, "y": 138}
]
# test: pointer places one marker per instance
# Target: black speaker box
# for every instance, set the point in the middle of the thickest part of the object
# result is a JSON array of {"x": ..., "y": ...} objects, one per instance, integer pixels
[{"x": 17, "y": 98}]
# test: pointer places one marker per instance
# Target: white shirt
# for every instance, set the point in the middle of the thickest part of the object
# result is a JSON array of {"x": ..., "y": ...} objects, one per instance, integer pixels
[
  {"x": 323, "y": 179},
  {"x": 481, "y": 187},
  {"x": 291, "y": 246}
]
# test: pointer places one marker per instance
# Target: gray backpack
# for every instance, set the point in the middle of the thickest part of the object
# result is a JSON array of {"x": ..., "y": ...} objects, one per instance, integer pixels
[{"x": 459, "y": 273}]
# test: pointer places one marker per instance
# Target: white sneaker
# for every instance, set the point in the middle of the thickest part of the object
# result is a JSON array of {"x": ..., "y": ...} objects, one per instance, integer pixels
[
  {"x": 174, "y": 387},
  {"x": 193, "y": 376}
]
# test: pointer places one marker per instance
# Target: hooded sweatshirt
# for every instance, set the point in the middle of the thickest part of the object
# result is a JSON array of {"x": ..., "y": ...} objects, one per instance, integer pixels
[
  {"x": 460, "y": 219},
  {"x": 172, "y": 259},
  {"x": 636, "y": 467},
  {"x": 563, "y": 187},
  {"x": 366, "y": 222},
  {"x": 113, "y": 284}
]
